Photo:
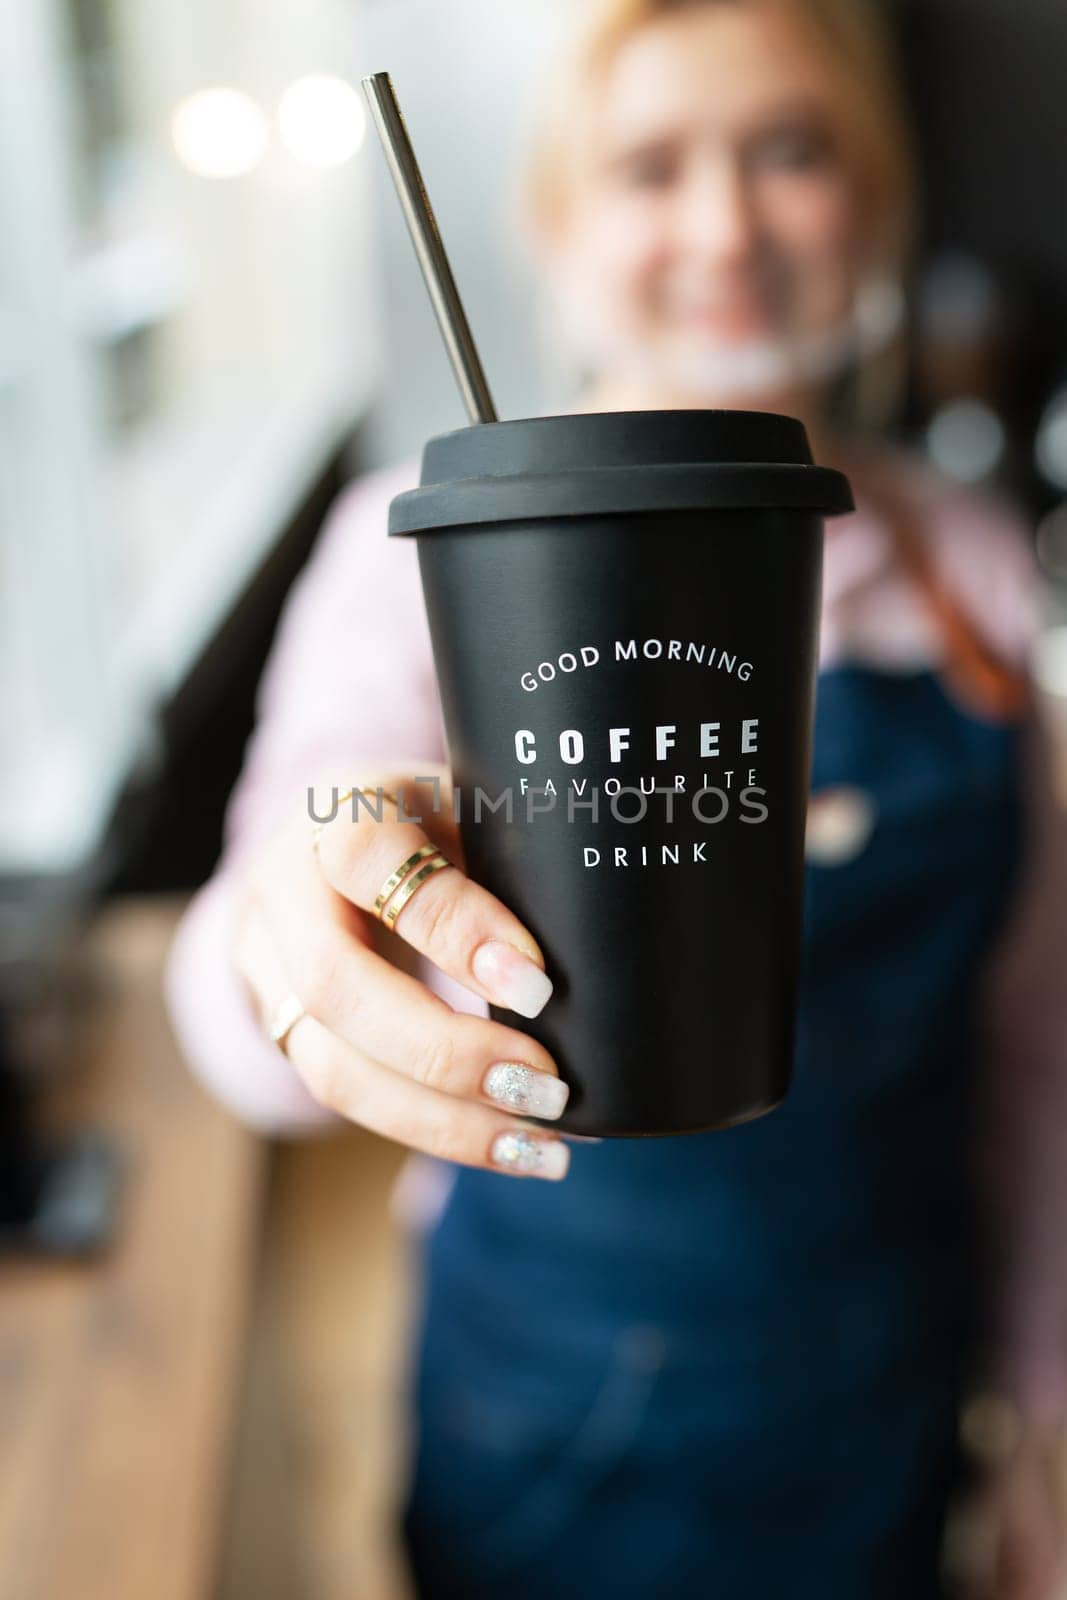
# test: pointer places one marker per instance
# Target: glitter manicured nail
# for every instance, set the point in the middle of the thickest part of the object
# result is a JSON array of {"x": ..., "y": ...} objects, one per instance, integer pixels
[
  {"x": 523, "y": 1088},
  {"x": 526, "y": 1153}
]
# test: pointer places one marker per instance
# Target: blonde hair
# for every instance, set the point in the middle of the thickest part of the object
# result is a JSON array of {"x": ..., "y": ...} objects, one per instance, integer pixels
[{"x": 879, "y": 148}]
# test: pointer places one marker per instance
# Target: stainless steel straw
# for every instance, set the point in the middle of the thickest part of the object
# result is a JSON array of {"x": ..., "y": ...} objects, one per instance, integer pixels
[{"x": 426, "y": 237}]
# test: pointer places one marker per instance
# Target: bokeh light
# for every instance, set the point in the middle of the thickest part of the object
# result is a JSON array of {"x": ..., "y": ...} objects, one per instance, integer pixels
[
  {"x": 321, "y": 120},
  {"x": 1050, "y": 662},
  {"x": 1050, "y": 447},
  {"x": 219, "y": 133},
  {"x": 966, "y": 440}
]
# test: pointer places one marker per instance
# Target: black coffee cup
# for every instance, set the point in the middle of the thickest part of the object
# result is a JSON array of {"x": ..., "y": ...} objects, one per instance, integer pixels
[{"x": 624, "y": 611}]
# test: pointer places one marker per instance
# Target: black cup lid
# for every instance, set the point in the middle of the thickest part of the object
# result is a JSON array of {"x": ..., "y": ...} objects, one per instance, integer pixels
[{"x": 617, "y": 461}]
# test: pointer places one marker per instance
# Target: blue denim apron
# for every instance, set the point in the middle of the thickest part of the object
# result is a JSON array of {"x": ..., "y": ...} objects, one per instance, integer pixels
[{"x": 728, "y": 1364}]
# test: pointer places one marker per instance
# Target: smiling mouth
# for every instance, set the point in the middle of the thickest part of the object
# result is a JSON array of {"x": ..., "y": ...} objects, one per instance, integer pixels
[{"x": 734, "y": 322}]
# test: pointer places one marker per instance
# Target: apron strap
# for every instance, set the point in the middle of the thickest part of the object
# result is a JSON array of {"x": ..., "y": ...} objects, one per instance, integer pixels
[{"x": 973, "y": 671}]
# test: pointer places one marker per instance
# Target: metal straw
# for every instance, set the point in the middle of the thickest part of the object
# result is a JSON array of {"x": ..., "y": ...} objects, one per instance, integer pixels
[{"x": 426, "y": 237}]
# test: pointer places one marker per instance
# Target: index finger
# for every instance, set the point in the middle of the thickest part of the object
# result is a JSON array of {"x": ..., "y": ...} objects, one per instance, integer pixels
[{"x": 458, "y": 925}]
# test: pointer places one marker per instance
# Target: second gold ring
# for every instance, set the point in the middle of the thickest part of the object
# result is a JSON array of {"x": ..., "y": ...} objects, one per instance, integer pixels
[{"x": 398, "y": 888}]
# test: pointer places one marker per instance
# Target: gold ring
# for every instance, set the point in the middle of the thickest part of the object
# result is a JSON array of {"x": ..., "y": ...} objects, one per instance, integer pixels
[
  {"x": 397, "y": 877},
  {"x": 284, "y": 1020},
  {"x": 413, "y": 884},
  {"x": 342, "y": 799}
]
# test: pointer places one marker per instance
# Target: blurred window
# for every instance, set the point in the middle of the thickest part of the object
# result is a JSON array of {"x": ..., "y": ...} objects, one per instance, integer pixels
[{"x": 186, "y": 334}]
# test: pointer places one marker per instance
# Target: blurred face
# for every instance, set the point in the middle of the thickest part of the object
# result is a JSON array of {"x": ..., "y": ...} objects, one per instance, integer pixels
[{"x": 712, "y": 244}]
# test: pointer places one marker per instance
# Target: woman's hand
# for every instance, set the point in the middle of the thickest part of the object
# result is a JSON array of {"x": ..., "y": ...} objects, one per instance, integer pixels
[
  {"x": 375, "y": 1044},
  {"x": 1024, "y": 1503},
  {"x": 1012, "y": 1534}
]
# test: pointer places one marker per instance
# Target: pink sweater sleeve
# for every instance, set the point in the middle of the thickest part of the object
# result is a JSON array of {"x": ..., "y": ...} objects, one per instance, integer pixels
[
  {"x": 350, "y": 678},
  {"x": 988, "y": 557},
  {"x": 1023, "y": 1144}
]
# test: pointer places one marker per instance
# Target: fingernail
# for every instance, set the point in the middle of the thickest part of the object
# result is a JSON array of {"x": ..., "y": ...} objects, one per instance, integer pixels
[
  {"x": 511, "y": 978},
  {"x": 524, "y": 1152},
  {"x": 524, "y": 1088}
]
